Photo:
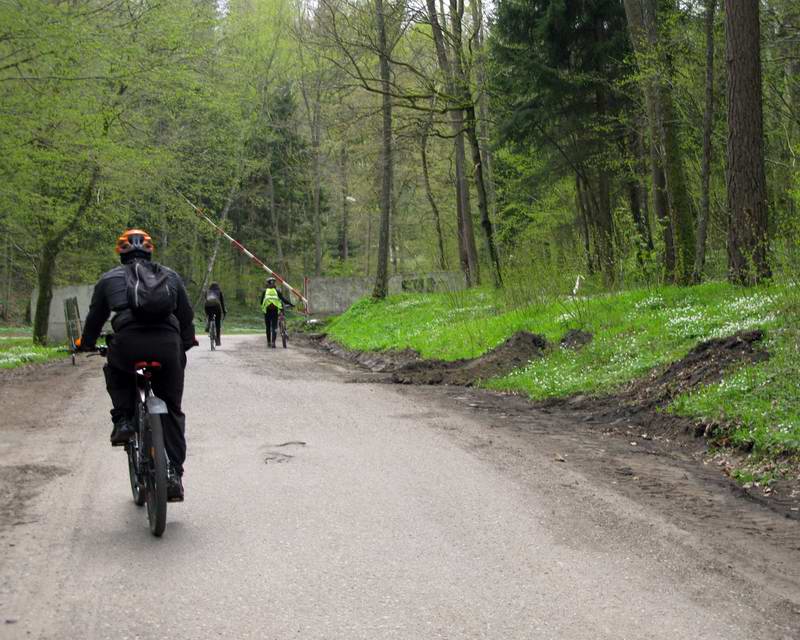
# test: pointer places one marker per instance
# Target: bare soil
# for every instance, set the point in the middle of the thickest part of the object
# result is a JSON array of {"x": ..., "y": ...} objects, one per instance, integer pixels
[
  {"x": 28, "y": 396},
  {"x": 407, "y": 367}
]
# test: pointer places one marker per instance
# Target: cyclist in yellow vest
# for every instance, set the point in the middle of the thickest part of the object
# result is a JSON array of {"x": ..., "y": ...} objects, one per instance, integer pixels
[{"x": 272, "y": 302}]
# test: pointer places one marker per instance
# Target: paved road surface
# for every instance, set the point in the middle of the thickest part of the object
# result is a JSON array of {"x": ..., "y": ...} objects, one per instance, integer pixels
[{"x": 321, "y": 508}]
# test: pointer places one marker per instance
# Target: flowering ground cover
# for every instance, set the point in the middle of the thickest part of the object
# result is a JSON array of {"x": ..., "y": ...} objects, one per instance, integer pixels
[{"x": 17, "y": 348}]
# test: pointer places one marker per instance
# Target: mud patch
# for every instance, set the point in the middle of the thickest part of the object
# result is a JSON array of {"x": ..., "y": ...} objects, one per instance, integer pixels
[
  {"x": 576, "y": 339},
  {"x": 514, "y": 353},
  {"x": 375, "y": 361},
  {"x": 19, "y": 484},
  {"x": 277, "y": 457},
  {"x": 274, "y": 457}
]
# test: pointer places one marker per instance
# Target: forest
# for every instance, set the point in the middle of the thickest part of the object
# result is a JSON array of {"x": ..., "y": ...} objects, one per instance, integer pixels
[{"x": 522, "y": 143}]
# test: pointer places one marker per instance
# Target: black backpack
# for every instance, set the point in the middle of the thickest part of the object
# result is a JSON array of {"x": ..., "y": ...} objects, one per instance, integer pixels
[{"x": 150, "y": 296}]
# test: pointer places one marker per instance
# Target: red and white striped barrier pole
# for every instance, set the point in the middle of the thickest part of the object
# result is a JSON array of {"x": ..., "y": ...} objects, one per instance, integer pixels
[{"x": 242, "y": 249}]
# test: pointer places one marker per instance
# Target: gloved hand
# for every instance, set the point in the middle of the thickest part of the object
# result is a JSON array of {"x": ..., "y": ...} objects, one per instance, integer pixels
[{"x": 80, "y": 345}]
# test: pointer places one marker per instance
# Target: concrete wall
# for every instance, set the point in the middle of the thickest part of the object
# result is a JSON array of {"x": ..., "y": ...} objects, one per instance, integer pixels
[
  {"x": 57, "y": 326},
  {"x": 335, "y": 295}
]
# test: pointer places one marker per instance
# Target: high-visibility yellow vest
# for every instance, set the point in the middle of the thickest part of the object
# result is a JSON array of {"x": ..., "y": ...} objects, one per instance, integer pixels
[{"x": 271, "y": 298}]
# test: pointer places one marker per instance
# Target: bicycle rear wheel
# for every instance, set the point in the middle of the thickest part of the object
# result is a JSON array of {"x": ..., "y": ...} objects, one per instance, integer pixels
[
  {"x": 156, "y": 483},
  {"x": 212, "y": 333},
  {"x": 137, "y": 488}
]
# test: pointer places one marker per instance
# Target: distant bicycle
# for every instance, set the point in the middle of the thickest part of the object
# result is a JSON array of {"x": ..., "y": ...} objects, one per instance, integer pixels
[
  {"x": 212, "y": 331},
  {"x": 282, "y": 328}
]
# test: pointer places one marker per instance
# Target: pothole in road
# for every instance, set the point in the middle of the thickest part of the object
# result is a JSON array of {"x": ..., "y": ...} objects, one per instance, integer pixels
[{"x": 275, "y": 457}]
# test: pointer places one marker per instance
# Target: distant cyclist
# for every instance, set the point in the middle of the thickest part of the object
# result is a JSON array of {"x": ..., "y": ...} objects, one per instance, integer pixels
[
  {"x": 215, "y": 306},
  {"x": 153, "y": 320},
  {"x": 272, "y": 303}
]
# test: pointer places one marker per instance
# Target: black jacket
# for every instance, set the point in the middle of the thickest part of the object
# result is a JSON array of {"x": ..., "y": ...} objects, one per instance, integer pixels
[
  {"x": 110, "y": 295},
  {"x": 216, "y": 292}
]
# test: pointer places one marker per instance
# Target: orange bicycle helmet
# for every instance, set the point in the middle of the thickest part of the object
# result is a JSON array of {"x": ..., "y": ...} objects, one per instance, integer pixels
[{"x": 135, "y": 240}]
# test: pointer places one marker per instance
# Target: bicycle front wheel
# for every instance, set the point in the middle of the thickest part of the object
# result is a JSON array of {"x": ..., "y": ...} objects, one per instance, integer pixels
[
  {"x": 156, "y": 484},
  {"x": 282, "y": 330}
]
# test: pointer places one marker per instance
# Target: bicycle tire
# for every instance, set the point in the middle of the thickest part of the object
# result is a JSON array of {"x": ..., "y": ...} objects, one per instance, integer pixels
[
  {"x": 137, "y": 489},
  {"x": 212, "y": 333},
  {"x": 284, "y": 335},
  {"x": 156, "y": 477}
]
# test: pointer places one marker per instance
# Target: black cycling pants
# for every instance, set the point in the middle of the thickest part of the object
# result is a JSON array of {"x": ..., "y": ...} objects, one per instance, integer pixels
[
  {"x": 271, "y": 323},
  {"x": 216, "y": 311},
  {"x": 137, "y": 343}
]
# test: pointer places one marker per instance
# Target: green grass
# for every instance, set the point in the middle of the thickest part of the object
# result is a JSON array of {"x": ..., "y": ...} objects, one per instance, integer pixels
[
  {"x": 17, "y": 348},
  {"x": 634, "y": 331}
]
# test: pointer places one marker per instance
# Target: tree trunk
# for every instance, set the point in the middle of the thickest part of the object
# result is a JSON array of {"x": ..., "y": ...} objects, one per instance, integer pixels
[
  {"x": 677, "y": 188},
  {"x": 382, "y": 275},
  {"x": 746, "y": 179},
  {"x": 603, "y": 219},
  {"x": 466, "y": 233},
  {"x": 583, "y": 217},
  {"x": 315, "y": 150},
  {"x": 669, "y": 176},
  {"x": 483, "y": 199},
  {"x": 217, "y": 239},
  {"x": 423, "y": 145},
  {"x": 604, "y": 223},
  {"x": 483, "y": 103},
  {"x": 276, "y": 228},
  {"x": 468, "y": 253},
  {"x": 635, "y": 203},
  {"x": 47, "y": 264},
  {"x": 708, "y": 129},
  {"x": 343, "y": 230},
  {"x": 641, "y": 180}
]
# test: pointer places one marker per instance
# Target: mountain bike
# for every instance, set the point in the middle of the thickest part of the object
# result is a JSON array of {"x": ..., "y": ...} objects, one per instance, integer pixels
[
  {"x": 212, "y": 331},
  {"x": 147, "y": 457},
  {"x": 282, "y": 328}
]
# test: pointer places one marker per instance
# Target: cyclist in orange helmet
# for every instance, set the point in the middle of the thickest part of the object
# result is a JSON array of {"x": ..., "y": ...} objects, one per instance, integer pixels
[{"x": 152, "y": 320}]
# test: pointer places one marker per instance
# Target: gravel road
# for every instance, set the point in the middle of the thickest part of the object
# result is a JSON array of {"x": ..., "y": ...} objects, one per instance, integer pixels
[{"x": 322, "y": 505}]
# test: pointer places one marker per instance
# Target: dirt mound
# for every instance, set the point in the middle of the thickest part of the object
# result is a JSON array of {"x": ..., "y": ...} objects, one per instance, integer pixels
[
  {"x": 376, "y": 361},
  {"x": 637, "y": 406},
  {"x": 705, "y": 364},
  {"x": 576, "y": 339},
  {"x": 514, "y": 353}
]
